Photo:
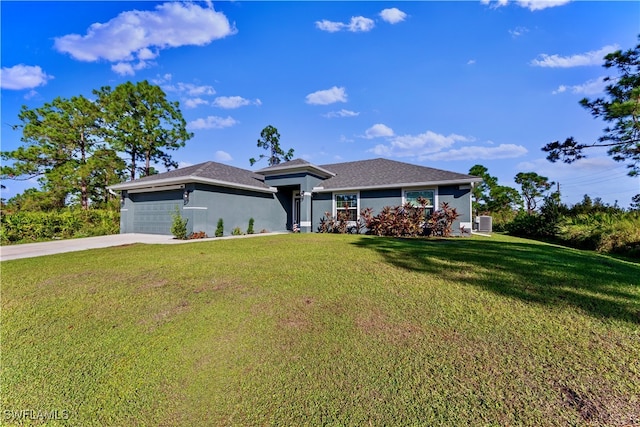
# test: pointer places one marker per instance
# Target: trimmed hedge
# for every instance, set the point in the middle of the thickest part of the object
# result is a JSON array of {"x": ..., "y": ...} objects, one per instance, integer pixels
[{"x": 29, "y": 227}]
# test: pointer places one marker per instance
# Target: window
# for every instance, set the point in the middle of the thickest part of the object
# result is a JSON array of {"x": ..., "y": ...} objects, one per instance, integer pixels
[
  {"x": 347, "y": 203},
  {"x": 412, "y": 197}
]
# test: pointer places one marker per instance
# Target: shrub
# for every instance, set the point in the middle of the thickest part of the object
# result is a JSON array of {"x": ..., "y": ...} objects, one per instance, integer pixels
[
  {"x": 440, "y": 222},
  {"x": 236, "y": 232},
  {"x": 250, "y": 228},
  {"x": 525, "y": 225},
  {"x": 197, "y": 235},
  {"x": 220, "y": 228},
  {"x": 341, "y": 224},
  {"x": 179, "y": 225},
  {"x": 410, "y": 221},
  {"x": 543, "y": 225},
  {"x": 25, "y": 227},
  {"x": 617, "y": 233}
]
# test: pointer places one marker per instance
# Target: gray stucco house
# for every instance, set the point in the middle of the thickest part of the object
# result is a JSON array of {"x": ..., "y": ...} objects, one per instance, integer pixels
[{"x": 279, "y": 196}]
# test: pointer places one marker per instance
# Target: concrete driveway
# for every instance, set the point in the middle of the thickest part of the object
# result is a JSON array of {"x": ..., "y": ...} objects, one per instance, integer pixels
[{"x": 30, "y": 250}]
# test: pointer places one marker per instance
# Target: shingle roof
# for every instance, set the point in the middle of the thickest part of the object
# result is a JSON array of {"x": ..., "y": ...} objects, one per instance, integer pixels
[
  {"x": 376, "y": 173},
  {"x": 294, "y": 162},
  {"x": 296, "y": 165},
  {"x": 207, "y": 171},
  {"x": 386, "y": 173}
]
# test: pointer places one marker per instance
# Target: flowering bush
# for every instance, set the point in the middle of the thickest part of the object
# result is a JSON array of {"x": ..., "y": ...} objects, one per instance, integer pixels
[{"x": 395, "y": 221}]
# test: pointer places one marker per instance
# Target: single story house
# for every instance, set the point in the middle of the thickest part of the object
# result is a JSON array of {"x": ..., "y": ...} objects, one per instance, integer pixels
[{"x": 280, "y": 196}]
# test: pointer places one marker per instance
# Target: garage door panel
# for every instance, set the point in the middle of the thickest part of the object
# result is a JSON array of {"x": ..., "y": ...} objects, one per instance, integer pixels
[{"x": 153, "y": 211}]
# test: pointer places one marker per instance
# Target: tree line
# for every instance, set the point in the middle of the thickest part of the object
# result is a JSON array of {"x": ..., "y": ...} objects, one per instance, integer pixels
[{"x": 76, "y": 147}]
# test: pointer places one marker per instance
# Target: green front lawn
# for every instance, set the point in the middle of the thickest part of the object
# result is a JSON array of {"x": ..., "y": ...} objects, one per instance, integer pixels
[{"x": 322, "y": 330}]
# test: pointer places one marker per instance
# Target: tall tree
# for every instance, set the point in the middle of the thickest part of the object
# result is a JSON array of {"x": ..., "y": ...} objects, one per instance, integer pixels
[
  {"x": 533, "y": 187},
  {"x": 107, "y": 168},
  {"x": 620, "y": 107},
  {"x": 60, "y": 138},
  {"x": 481, "y": 192},
  {"x": 140, "y": 122},
  {"x": 503, "y": 200},
  {"x": 270, "y": 141}
]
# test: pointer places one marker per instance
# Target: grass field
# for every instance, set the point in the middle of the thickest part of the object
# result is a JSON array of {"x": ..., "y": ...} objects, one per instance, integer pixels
[{"x": 312, "y": 329}]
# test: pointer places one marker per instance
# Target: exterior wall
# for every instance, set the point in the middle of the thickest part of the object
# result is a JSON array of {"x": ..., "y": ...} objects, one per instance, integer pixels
[
  {"x": 378, "y": 199},
  {"x": 209, "y": 203},
  {"x": 322, "y": 202},
  {"x": 459, "y": 198},
  {"x": 153, "y": 212},
  {"x": 374, "y": 199},
  {"x": 455, "y": 196},
  {"x": 286, "y": 184},
  {"x": 305, "y": 180}
]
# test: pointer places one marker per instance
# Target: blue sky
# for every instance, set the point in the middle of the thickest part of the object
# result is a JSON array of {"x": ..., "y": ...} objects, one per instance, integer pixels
[{"x": 441, "y": 84}]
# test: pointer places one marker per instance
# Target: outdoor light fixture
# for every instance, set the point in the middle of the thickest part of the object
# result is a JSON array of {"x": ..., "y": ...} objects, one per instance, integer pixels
[
  {"x": 122, "y": 198},
  {"x": 185, "y": 196}
]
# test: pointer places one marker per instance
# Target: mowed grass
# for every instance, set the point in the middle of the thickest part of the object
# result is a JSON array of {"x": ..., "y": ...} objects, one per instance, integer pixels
[{"x": 323, "y": 330}]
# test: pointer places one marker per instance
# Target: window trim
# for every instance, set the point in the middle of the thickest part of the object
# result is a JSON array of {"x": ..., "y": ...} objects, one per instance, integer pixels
[
  {"x": 434, "y": 202},
  {"x": 335, "y": 203}
]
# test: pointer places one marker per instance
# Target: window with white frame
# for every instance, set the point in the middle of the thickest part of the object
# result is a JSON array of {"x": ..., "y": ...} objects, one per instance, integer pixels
[
  {"x": 412, "y": 196},
  {"x": 347, "y": 202}
]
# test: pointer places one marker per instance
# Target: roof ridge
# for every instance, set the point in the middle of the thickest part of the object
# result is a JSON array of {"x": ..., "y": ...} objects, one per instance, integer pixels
[{"x": 203, "y": 167}]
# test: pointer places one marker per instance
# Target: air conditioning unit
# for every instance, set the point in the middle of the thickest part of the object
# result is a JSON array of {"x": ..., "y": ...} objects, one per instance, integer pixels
[{"x": 484, "y": 224}]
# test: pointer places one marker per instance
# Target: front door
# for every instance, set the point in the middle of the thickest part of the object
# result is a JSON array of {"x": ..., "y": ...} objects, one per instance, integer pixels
[{"x": 296, "y": 210}]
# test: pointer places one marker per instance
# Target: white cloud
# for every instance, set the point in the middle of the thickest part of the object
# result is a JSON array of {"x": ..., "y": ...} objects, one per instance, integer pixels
[
  {"x": 23, "y": 77},
  {"x": 341, "y": 113},
  {"x": 518, "y": 31},
  {"x": 213, "y": 122},
  {"x": 529, "y": 4},
  {"x": 393, "y": 15},
  {"x": 223, "y": 156},
  {"x": 594, "y": 57},
  {"x": 471, "y": 62},
  {"x": 140, "y": 35},
  {"x": 162, "y": 79},
  {"x": 377, "y": 131},
  {"x": 123, "y": 69},
  {"x": 345, "y": 139},
  {"x": 541, "y": 4},
  {"x": 189, "y": 89},
  {"x": 328, "y": 96},
  {"x": 502, "y": 151},
  {"x": 146, "y": 54},
  {"x": 31, "y": 94},
  {"x": 231, "y": 102},
  {"x": 561, "y": 89},
  {"x": 417, "y": 145},
  {"x": 357, "y": 24},
  {"x": 360, "y": 24},
  {"x": 591, "y": 87},
  {"x": 330, "y": 26},
  {"x": 194, "y": 102},
  {"x": 494, "y": 4}
]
